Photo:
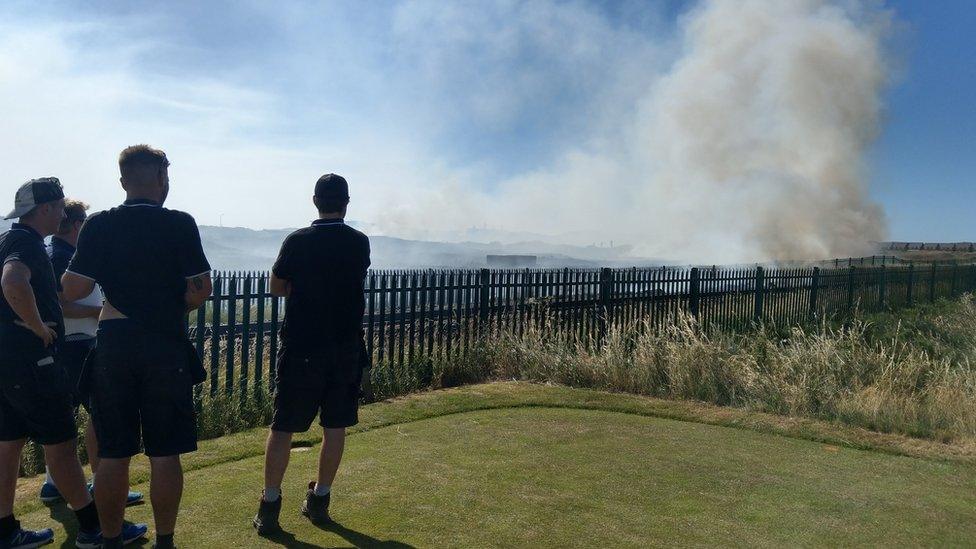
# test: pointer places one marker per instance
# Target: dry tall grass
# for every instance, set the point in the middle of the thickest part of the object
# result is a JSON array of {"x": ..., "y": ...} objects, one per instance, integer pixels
[{"x": 915, "y": 377}]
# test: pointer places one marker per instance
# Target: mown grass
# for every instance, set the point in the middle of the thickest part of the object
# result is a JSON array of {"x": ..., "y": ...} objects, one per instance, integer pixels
[{"x": 550, "y": 466}]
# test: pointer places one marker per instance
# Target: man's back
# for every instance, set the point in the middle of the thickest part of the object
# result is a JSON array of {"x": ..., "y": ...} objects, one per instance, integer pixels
[
  {"x": 326, "y": 266},
  {"x": 142, "y": 254}
]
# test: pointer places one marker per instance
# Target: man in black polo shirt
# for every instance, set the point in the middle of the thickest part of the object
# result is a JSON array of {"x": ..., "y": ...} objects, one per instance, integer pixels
[
  {"x": 150, "y": 264},
  {"x": 35, "y": 400},
  {"x": 80, "y": 329},
  {"x": 321, "y": 271}
]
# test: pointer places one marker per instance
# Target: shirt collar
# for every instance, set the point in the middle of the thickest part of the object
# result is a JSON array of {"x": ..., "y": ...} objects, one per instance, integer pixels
[
  {"x": 57, "y": 242},
  {"x": 141, "y": 202},
  {"x": 327, "y": 222},
  {"x": 27, "y": 229}
]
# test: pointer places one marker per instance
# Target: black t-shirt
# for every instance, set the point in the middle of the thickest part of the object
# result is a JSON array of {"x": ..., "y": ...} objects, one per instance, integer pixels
[
  {"x": 142, "y": 254},
  {"x": 326, "y": 265},
  {"x": 24, "y": 244}
]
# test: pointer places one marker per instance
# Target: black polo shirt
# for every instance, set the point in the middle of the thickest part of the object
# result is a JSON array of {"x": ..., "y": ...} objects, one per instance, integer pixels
[
  {"x": 22, "y": 243},
  {"x": 142, "y": 254},
  {"x": 60, "y": 252},
  {"x": 326, "y": 265}
]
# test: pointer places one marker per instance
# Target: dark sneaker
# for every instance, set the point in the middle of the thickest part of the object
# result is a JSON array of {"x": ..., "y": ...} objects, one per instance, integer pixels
[
  {"x": 50, "y": 493},
  {"x": 28, "y": 539},
  {"x": 131, "y": 533},
  {"x": 266, "y": 521},
  {"x": 316, "y": 508}
]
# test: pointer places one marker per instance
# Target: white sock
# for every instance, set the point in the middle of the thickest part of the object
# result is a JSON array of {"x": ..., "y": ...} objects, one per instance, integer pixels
[
  {"x": 321, "y": 490},
  {"x": 272, "y": 494},
  {"x": 47, "y": 477}
]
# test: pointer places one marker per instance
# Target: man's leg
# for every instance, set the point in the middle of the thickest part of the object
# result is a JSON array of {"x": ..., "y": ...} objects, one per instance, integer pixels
[
  {"x": 9, "y": 471},
  {"x": 330, "y": 455},
  {"x": 62, "y": 462},
  {"x": 276, "y": 455},
  {"x": 113, "y": 485},
  {"x": 165, "y": 492}
]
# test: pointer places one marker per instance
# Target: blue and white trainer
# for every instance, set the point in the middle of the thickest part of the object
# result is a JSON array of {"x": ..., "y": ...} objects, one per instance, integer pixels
[
  {"x": 50, "y": 493},
  {"x": 28, "y": 539},
  {"x": 131, "y": 499},
  {"x": 131, "y": 533}
]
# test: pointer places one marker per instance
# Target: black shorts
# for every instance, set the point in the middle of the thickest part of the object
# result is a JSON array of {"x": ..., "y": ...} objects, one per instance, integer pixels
[
  {"x": 141, "y": 390},
  {"x": 323, "y": 383},
  {"x": 35, "y": 398},
  {"x": 72, "y": 355}
]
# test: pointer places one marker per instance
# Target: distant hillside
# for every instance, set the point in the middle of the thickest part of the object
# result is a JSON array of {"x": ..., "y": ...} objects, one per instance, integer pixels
[{"x": 237, "y": 248}]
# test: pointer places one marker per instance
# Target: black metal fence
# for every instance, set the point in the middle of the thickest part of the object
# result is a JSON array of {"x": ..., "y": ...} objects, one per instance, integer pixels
[{"x": 415, "y": 317}]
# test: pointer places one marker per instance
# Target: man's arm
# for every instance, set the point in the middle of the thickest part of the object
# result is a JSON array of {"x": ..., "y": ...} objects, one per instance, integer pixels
[
  {"x": 15, "y": 282},
  {"x": 198, "y": 289},
  {"x": 279, "y": 286},
  {"x": 76, "y": 310},
  {"x": 75, "y": 286},
  {"x": 283, "y": 269}
]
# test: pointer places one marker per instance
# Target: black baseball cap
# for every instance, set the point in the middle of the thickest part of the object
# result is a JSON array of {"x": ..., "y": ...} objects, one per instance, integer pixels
[
  {"x": 34, "y": 193},
  {"x": 331, "y": 185}
]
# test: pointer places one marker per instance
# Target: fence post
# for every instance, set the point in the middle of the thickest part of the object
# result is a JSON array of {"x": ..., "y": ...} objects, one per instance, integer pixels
[
  {"x": 814, "y": 290},
  {"x": 955, "y": 270},
  {"x": 694, "y": 293},
  {"x": 850, "y": 289},
  {"x": 483, "y": 298},
  {"x": 215, "y": 321},
  {"x": 882, "y": 283},
  {"x": 909, "y": 295},
  {"x": 760, "y": 291},
  {"x": 932, "y": 284},
  {"x": 606, "y": 290}
]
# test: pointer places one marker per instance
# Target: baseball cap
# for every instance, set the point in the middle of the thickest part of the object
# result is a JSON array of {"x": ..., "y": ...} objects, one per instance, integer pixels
[
  {"x": 34, "y": 193},
  {"x": 331, "y": 185}
]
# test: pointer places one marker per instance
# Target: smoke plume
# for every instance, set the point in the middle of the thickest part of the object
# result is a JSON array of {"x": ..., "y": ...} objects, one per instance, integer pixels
[{"x": 750, "y": 146}]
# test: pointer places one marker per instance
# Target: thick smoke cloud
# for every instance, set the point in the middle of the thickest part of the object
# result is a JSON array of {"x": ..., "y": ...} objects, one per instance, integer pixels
[{"x": 750, "y": 146}]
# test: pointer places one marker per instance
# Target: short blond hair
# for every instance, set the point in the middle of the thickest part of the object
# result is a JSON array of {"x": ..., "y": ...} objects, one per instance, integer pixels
[
  {"x": 74, "y": 210},
  {"x": 138, "y": 161}
]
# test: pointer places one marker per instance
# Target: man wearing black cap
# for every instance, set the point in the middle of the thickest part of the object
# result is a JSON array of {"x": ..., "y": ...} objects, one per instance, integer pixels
[
  {"x": 150, "y": 264},
  {"x": 320, "y": 271},
  {"x": 35, "y": 400}
]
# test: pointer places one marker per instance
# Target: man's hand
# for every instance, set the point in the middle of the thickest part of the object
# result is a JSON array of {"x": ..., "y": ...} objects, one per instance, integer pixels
[{"x": 44, "y": 331}]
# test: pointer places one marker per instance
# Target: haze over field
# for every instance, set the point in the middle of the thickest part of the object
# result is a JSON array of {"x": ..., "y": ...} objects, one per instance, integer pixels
[{"x": 708, "y": 131}]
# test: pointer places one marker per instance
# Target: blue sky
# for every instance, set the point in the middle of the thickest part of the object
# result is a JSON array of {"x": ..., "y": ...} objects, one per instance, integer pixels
[
  {"x": 924, "y": 163},
  {"x": 432, "y": 102}
]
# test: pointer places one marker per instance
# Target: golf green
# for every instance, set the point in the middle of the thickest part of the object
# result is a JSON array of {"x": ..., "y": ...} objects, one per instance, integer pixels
[{"x": 565, "y": 477}]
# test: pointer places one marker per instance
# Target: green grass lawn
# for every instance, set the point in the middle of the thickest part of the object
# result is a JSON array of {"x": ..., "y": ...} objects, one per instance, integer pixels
[{"x": 527, "y": 465}]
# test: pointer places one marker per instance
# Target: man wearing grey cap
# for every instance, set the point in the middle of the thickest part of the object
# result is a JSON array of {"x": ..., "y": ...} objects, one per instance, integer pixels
[
  {"x": 35, "y": 400},
  {"x": 320, "y": 271}
]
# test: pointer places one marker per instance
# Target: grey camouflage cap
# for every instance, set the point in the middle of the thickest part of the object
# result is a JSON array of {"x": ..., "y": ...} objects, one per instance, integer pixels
[{"x": 34, "y": 193}]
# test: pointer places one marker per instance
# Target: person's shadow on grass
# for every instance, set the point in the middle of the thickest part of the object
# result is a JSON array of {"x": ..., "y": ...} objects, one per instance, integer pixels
[
  {"x": 355, "y": 539},
  {"x": 66, "y": 517}
]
